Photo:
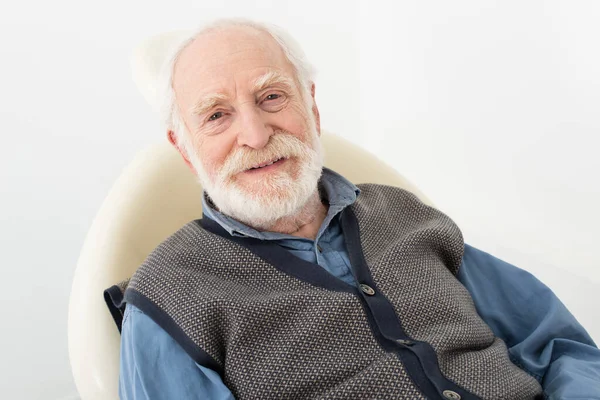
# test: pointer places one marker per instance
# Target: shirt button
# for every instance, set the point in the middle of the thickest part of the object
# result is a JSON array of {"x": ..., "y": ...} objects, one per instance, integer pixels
[
  {"x": 405, "y": 342},
  {"x": 451, "y": 395},
  {"x": 368, "y": 290}
]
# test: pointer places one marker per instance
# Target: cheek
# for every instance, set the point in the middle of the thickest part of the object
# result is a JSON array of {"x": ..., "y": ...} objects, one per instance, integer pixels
[
  {"x": 296, "y": 121},
  {"x": 214, "y": 151}
]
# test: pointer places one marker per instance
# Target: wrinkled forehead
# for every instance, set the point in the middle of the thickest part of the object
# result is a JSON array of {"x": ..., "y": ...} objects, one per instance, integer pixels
[{"x": 217, "y": 60}]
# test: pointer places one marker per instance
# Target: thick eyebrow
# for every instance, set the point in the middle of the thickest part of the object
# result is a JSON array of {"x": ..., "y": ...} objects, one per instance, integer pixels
[
  {"x": 272, "y": 78},
  {"x": 207, "y": 102}
]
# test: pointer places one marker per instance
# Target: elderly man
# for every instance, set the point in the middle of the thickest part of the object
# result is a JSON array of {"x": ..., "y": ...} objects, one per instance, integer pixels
[{"x": 296, "y": 284}]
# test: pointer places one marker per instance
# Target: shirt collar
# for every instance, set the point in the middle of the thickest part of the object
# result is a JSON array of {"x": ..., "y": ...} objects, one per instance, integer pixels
[{"x": 333, "y": 187}]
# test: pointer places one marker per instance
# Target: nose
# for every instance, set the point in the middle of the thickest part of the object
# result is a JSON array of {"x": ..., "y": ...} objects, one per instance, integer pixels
[{"x": 254, "y": 129}]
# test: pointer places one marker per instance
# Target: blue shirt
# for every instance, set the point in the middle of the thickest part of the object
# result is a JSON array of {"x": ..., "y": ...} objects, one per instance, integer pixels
[{"x": 542, "y": 337}]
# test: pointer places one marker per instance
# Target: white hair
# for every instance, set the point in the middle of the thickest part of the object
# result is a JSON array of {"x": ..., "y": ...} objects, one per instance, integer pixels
[{"x": 170, "y": 112}]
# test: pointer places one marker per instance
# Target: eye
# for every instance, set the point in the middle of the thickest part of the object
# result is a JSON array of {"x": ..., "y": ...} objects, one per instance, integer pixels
[
  {"x": 215, "y": 116},
  {"x": 273, "y": 102},
  {"x": 272, "y": 96}
]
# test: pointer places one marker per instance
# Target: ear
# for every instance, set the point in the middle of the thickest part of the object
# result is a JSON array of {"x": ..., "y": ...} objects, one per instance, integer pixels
[
  {"x": 315, "y": 109},
  {"x": 173, "y": 140}
]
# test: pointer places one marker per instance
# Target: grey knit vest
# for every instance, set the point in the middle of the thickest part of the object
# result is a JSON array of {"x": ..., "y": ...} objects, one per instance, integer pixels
[{"x": 277, "y": 327}]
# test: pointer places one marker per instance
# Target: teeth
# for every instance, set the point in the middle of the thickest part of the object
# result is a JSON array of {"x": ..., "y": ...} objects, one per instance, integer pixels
[{"x": 266, "y": 165}]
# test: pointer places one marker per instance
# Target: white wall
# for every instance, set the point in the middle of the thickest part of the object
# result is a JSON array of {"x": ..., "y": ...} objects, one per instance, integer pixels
[
  {"x": 492, "y": 107},
  {"x": 488, "y": 107}
]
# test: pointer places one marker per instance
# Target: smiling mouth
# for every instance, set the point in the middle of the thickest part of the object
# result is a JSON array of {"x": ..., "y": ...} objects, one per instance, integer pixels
[{"x": 266, "y": 164}]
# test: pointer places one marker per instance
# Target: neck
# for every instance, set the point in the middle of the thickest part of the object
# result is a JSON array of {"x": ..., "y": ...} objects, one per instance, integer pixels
[{"x": 306, "y": 222}]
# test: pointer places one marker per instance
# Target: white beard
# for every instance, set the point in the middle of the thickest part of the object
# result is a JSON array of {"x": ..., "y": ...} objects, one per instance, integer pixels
[{"x": 276, "y": 196}]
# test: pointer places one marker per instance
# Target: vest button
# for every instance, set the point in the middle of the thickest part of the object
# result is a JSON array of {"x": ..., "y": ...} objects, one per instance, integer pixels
[
  {"x": 367, "y": 289},
  {"x": 451, "y": 395}
]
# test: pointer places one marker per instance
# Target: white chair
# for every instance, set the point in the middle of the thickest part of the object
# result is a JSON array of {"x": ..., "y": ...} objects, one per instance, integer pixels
[{"x": 153, "y": 197}]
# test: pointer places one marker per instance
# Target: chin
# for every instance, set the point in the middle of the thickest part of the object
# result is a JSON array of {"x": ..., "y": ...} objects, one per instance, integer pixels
[
  {"x": 279, "y": 185},
  {"x": 260, "y": 200},
  {"x": 265, "y": 202}
]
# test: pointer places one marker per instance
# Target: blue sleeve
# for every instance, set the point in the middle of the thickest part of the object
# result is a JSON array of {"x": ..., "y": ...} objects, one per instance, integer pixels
[
  {"x": 154, "y": 366},
  {"x": 542, "y": 336}
]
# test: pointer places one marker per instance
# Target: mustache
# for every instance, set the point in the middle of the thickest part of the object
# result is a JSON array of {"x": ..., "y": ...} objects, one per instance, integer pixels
[{"x": 281, "y": 145}]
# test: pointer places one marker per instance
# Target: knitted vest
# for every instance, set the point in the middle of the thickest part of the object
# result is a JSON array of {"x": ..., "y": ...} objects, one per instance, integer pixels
[{"x": 277, "y": 327}]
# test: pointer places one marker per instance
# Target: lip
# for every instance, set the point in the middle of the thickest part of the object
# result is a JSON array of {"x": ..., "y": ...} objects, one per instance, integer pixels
[{"x": 276, "y": 163}]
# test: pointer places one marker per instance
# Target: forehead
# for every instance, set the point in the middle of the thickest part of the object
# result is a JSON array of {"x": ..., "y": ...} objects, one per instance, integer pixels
[{"x": 223, "y": 60}]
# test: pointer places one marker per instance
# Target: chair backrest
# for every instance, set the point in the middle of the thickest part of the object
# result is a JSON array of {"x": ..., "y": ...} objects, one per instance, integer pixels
[{"x": 154, "y": 196}]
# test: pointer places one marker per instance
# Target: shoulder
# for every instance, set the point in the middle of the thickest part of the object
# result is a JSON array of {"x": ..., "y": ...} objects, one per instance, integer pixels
[
  {"x": 392, "y": 205},
  {"x": 390, "y": 198},
  {"x": 376, "y": 189},
  {"x": 185, "y": 238},
  {"x": 189, "y": 242}
]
